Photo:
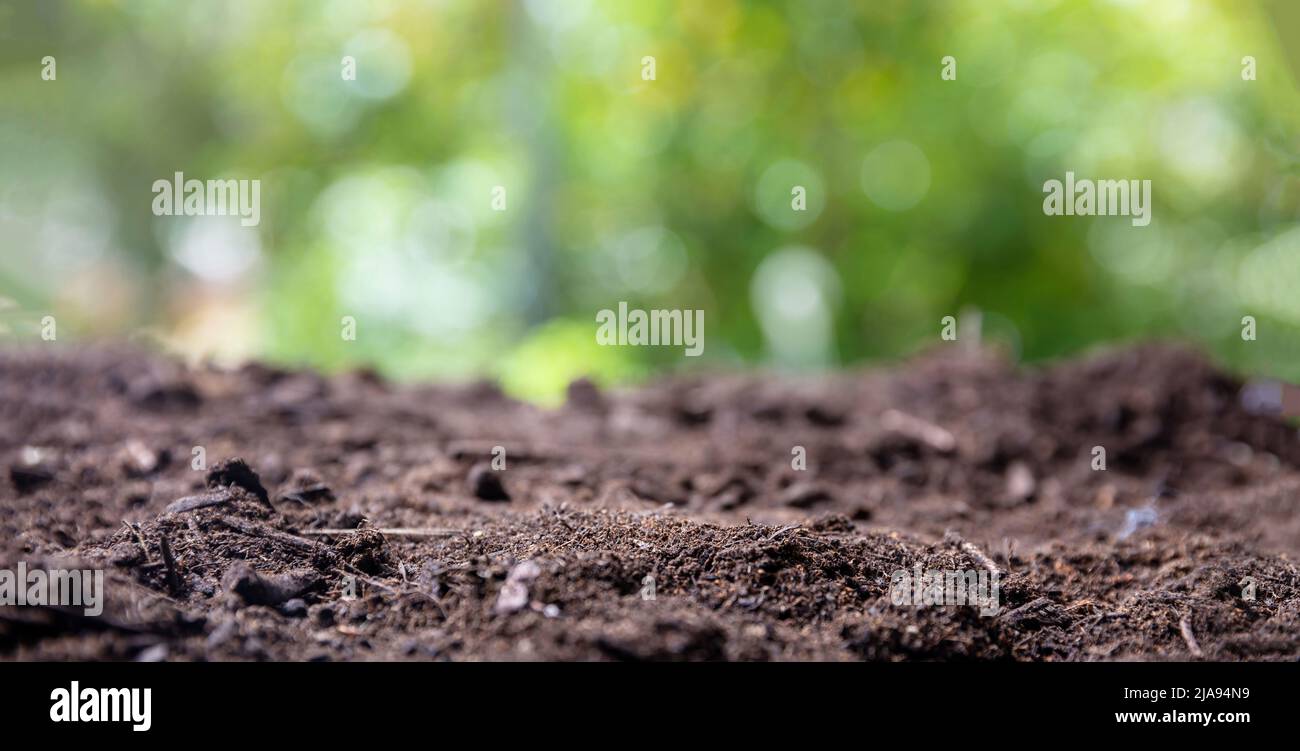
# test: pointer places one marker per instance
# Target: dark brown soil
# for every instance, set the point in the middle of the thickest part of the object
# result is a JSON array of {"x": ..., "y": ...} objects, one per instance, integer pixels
[{"x": 952, "y": 461}]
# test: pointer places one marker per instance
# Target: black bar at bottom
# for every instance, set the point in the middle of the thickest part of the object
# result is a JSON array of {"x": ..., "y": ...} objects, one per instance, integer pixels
[{"x": 300, "y": 701}]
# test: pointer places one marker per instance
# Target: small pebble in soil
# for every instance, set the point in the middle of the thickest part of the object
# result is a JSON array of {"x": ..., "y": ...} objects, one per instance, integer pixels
[
  {"x": 1020, "y": 482},
  {"x": 1262, "y": 397},
  {"x": 156, "y": 653},
  {"x": 29, "y": 475},
  {"x": 138, "y": 460},
  {"x": 514, "y": 594},
  {"x": 513, "y": 597},
  {"x": 223, "y": 633},
  {"x": 485, "y": 483},
  {"x": 1135, "y": 519}
]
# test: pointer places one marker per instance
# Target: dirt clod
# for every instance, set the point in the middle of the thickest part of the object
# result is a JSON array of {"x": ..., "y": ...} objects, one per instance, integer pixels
[
  {"x": 250, "y": 587},
  {"x": 236, "y": 472},
  {"x": 25, "y": 479}
]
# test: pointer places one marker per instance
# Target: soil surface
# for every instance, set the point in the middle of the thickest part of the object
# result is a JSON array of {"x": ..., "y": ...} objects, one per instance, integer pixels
[{"x": 347, "y": 518}]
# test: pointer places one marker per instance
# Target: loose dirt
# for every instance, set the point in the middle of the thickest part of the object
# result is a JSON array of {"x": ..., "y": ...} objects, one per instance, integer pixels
[{"x": 347, "y": 518}]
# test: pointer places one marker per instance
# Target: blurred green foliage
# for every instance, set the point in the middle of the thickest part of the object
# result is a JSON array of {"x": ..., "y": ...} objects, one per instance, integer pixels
[{"x": 924, "y": 196}]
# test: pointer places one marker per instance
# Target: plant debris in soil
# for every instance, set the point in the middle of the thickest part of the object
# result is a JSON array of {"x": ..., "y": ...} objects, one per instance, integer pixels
[{"x": 269, "y": 514}]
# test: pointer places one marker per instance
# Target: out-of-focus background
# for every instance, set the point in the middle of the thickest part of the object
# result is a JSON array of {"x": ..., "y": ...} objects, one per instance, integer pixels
[{"x": 924, "y": 196}]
